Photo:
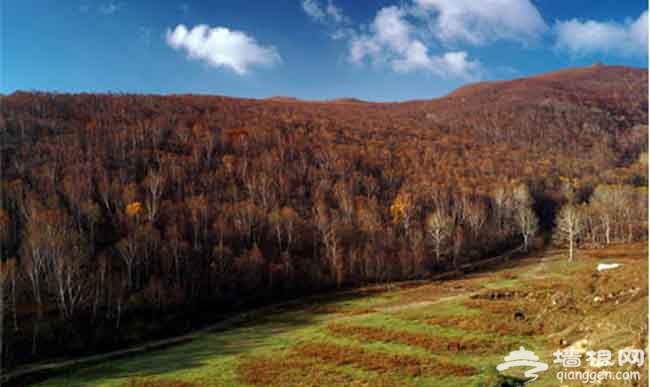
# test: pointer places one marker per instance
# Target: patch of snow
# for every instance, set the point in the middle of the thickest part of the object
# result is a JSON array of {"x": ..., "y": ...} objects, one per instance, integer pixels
[{"x": 607, "y": 266}]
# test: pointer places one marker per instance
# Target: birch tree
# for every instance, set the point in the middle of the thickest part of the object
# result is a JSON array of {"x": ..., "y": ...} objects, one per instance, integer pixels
[
  {"x": 605, "y": 203},
  {"x": 439, "y": 228},
  {"x": 155, "y": 185},
  {"x": 569, "y": 227},
  {"x": 525, "y": 217},
  {"x": 527, "y": 223}
]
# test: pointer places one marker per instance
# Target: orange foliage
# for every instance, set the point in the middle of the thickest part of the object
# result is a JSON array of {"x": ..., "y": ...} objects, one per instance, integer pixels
[{"x": 134, "y": 209}]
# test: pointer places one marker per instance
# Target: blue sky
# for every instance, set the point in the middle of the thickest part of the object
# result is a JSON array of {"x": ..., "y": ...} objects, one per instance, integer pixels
[{"x": 312, "y": 49}]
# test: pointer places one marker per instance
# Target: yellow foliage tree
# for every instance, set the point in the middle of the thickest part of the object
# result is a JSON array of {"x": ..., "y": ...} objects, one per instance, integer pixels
[
  {"x": 400, "y": 208},
  {"x": 133, "y": 209}
]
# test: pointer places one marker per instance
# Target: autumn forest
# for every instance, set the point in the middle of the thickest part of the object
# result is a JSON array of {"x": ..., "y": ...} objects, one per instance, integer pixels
[{"x": 125, "y": 218}]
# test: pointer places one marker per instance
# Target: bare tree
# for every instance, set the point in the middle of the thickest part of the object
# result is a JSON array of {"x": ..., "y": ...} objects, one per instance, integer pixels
[
  {"x": 569, "y": 227},
  {"x": 525, "y": 217},
  {"x": 473, "y": 213},
  {"x": 619, "y": 209},
  {"x": 604, "y": 203},
  {"x": 198, "y": 207},
  {"x": 528, "y": 224},
  {"x": 155, "y": 184},
  {"x": 33, "y": 260},
  {"x": 275, "y": 220},
  {"x": 439, "y": 226},
  {"x": 633, "y": 209},
  {"x": 67, "y": 272},
  {"x": 284, "y": 222},
  {"x": 344, "y": 197},
  {"x": 290, "y": 219},
  {"x": 499, "y": 196},
  {"x": 128, "y": 250},
  {"x": 334, "y": 252}
]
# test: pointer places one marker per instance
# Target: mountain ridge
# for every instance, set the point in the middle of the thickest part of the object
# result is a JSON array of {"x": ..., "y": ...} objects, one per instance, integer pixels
[{"x": 546, "y": 78}]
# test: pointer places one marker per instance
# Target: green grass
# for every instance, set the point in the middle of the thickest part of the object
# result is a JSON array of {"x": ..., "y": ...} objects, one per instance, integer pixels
[
  {"x": 215, "y": 359},
  {"x": 501, "y": 283}
]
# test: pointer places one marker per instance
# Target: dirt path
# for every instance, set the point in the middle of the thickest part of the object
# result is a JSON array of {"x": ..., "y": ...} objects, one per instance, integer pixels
[
  {"x": 537, "y": 272},
  {"x": 35, "y": 369},
  {"x": 419, "y": 304},
  {"x": 39, "y": 368}
]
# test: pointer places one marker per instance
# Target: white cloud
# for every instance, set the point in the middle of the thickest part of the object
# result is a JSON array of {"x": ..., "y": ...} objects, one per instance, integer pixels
[
  {"x": 313, "y": 9},
  {"x": 392, "y": 28},
  {"x": 587, "y": 37},
  {"x": 455, "y": 64},
  {"x": 448, "y": 65},
  {"x": 334, "y": 12},
  {"x": 389, "y": 36},
  {"x": 432, "y": 35},
  {"x": 221, "y": 47},
  {"x": 330, "y": 16},
  {"x": 484, "y": 21},
  {"x": 393, "y": 39},
  {"x": 109, "y": 8},
  {"x": 328, "y": 13},
  {"x": 415, "y": 58}
]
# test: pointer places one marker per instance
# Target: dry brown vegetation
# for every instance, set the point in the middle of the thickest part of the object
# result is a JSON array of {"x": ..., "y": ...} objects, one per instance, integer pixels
[
  {"x": 435, "y": 344},
  {"x": 553, "y": 305},
  {"x": 150, "y": 215},
  {"x": 504, "y": 325},
  {"x": 389, "y": 343},
  {"x": 316, "y": 363},
  {"x": 383, "y": 363},
  {"x": 293, "y": 370}
]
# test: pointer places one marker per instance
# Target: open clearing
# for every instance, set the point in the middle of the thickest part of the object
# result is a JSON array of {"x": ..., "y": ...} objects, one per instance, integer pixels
[{"x": 443, "y": 333}]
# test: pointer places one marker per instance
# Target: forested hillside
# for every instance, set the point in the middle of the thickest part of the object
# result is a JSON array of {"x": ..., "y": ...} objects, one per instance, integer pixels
[{"x": 126, "y": 217}]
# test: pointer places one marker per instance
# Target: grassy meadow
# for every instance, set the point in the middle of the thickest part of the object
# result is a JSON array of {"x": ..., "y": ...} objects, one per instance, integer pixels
[{"x": 442, "y": 333}]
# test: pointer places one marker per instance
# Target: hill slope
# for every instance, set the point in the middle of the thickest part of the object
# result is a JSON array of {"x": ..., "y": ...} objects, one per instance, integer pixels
[
  {"x": 404, "y": 336},
  {"x": 163, "y": 213}
]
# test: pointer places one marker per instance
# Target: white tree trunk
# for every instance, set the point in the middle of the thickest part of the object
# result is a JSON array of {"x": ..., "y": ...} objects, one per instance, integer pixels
[{"x": 571, "y": 245}]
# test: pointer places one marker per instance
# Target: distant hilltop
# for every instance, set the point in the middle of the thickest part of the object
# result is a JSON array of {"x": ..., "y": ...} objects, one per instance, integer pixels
[{"x": 294, "y": 99}]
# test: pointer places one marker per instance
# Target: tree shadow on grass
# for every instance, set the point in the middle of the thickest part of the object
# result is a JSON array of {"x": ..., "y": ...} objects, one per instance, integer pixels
[{"x": 201, "y": 356}]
